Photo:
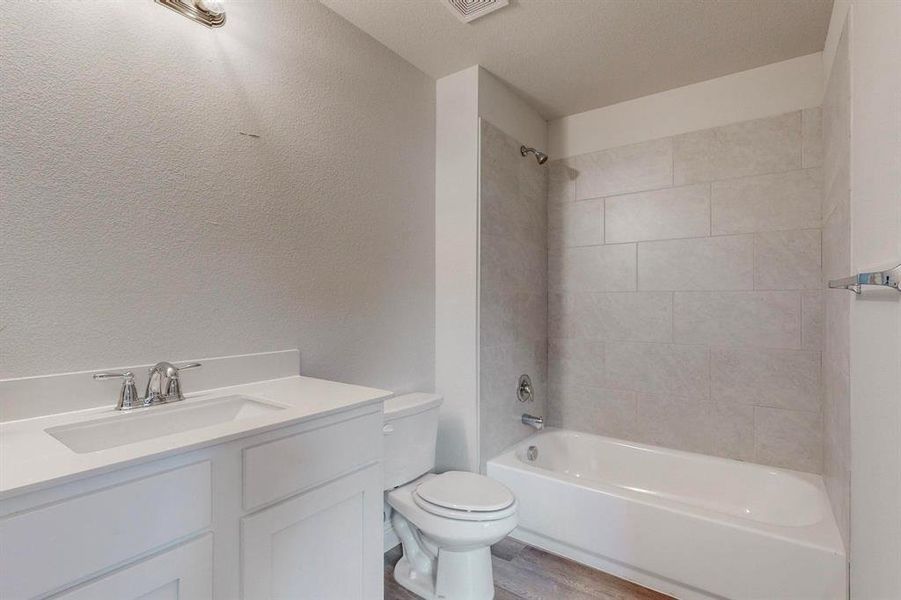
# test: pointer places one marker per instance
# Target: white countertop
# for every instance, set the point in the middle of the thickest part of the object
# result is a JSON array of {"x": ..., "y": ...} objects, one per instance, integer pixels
[{"x": 31, "y": 459}]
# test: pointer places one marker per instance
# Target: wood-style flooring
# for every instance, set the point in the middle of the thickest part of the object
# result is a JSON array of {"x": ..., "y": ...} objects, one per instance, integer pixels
[{"x": 522, "y": 572}]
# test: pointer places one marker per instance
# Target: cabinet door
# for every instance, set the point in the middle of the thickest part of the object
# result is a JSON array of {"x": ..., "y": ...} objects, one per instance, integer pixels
[
  {"x": 182, "y": 573},
  {"x": 323, "y": 544}
]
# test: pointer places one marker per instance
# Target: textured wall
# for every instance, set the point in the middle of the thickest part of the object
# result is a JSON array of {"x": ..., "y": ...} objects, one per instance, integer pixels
[
  {"x": 512, "y": 289},
  {"x": 170, "y": 191},
  {"x": 836, "y": 264},
  {"x": 685, "y": 304}
]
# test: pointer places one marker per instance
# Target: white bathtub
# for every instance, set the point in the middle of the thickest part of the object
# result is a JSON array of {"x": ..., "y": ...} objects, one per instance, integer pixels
[{"x": 690, "y": 525}]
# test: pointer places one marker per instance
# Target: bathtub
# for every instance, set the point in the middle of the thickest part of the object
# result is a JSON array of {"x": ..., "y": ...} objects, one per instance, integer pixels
[{"x": 689, "y": 525}]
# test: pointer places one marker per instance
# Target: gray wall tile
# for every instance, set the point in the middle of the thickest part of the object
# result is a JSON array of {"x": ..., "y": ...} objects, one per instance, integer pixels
[
  {"x": 765, "y": 145},
  {"x": 573, "y": 224},
  {"x": 761, "y": 319},
  {"x": 696, "y": 424},
  {"x": 813, "y": 319},
  {"x": 499, "y": 410},
  {"x": 576, "y": 362},
  {"x": 512, "y": 288},
  {"x": 775, "y": 202},
  {"x": 505, "y": 214},
  {"x": 789, "y": 438},
  {"x": 593, "y": 410},
  {"x": 657, "y": 368},
  {"x": 507, "y": 264},
  {"x": 662, "y": 331},
  {"x": 561, "y": 183},
  {"x": 511, "y": 316},
  {"x": 787, "y": 260},
  {"x": 671, "y": 213},
  {"x": 837, "y": 243},
  {"x": 765, "y": 377},
  {"x": 593, "y": 269},
  {"x": 837, "y": 115},
  {"x": 811, "y": 137},
  {"x": 717, "y": 263},
  {"x": 644, "y": 166},
  {"x": 623, "y": 316}
]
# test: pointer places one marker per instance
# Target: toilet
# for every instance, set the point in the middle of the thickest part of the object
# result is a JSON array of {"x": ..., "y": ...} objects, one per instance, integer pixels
[{"x": 446, "y": 522}]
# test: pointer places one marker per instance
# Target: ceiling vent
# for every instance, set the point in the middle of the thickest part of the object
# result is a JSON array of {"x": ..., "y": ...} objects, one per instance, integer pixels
[{"x": 470, "y": 10}]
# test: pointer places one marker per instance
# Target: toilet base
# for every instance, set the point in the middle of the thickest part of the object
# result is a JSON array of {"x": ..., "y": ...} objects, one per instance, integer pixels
[
  {"x": 408, "y": 578},
  {"x": 461, "y": 576}
]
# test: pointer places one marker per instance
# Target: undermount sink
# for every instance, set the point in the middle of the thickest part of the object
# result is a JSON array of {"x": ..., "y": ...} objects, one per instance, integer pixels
[{"x": 157, "y": 421}]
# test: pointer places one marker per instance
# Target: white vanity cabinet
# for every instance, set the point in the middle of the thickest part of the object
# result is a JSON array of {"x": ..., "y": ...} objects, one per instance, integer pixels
[
  {"x": 343, "y": 517},
  {"x": 294, "y": 512}
]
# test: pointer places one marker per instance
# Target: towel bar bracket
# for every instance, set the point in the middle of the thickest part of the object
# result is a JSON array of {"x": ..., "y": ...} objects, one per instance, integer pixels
[{"x": 889, "y": 278}]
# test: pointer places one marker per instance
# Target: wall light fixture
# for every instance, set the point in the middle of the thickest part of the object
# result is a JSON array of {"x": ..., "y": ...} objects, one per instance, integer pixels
[{"x": 206, "y": 12}]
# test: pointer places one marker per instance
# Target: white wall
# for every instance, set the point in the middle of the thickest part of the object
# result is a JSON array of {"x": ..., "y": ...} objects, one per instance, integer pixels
[
  {"x": 836, "y": 218},
  {"x": 875, "y": 331},
  {"x": 462, "y": 98},
  {"x": 762, "y": 92},
  {"x": 170, "y": 191},
  {"x": 833, "y": 34},
  {"x": 500, "y": 106},
  {"x": 457, "y": 267}
]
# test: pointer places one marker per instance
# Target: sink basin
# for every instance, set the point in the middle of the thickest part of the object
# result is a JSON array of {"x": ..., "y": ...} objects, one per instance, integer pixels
[{"x": 156, "y": 421}]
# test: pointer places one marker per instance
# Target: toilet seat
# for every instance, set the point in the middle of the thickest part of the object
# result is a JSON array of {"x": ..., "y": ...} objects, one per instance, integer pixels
[{"x": 465, "y": 496}]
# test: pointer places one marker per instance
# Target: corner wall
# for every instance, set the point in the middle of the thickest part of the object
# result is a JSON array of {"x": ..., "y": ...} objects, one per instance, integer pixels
[
  {"x": 874, "y": 40},
  {"x": 462, "y": 99},
  {"x": 457, "y": 268},
  {"x": 837, "y": 264}
]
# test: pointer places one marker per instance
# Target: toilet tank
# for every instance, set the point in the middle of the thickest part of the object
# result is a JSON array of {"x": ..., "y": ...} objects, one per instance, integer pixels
[{"x": 410, "y": 433}]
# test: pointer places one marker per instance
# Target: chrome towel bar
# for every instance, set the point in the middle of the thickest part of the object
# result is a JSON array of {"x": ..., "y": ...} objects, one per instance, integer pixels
[{"x": 890, "y": 278}]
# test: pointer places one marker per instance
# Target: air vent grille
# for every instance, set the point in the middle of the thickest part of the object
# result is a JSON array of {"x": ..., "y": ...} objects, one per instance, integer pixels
[{"x": 470, "y": 10}]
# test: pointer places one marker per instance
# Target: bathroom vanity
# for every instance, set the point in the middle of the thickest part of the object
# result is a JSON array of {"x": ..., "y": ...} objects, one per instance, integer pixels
[{"x": 260, "y": 490}]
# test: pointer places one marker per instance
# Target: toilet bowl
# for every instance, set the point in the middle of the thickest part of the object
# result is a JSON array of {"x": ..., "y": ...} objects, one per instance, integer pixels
[{"x": 446, "y": 522}]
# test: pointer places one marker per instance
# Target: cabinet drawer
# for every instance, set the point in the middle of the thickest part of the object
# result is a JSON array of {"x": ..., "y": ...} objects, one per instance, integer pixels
[
  {"x": 280, "y": 468},
  {"x": 185, "y": 571},
  {"x": 44, "y": 549}
]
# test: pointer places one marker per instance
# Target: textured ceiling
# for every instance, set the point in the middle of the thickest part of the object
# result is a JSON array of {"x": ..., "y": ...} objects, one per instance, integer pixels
[{"x": 567, "y": 56}]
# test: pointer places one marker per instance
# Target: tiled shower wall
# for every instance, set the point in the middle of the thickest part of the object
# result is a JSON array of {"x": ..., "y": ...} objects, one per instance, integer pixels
[
  {"x": 685, "y": 300},
  {"x": 512, "y": 289},
  {"x": 836, "y": 264}
]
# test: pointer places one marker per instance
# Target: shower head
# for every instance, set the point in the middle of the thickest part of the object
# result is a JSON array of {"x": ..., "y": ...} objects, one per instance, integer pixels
[{"x": 540, "y": 156}]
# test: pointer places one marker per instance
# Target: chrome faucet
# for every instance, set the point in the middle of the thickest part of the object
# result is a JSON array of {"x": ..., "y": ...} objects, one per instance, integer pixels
[
  {"x": 163, "y": 386},
  {"x": 533, "y": 421}
]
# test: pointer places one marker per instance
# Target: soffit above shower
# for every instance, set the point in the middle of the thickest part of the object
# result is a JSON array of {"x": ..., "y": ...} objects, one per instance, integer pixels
[{"x": 566, "y": 57}]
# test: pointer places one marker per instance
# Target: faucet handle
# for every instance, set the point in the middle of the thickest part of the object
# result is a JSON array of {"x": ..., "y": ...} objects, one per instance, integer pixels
[
  {"x": 103, "y": 376},
  {"x": 128, "y": 393},
  {"x": 174, "y": 392}
]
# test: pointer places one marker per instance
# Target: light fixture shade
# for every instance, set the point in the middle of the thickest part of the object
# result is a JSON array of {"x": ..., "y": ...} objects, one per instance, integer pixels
[{"x": 206, "y": 12}]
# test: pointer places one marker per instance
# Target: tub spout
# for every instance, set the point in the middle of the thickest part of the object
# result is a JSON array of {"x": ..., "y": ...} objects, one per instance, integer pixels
[{"x": 533, "y": 421}]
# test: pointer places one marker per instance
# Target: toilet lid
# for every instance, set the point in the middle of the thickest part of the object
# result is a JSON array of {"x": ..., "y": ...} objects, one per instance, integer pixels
[{"x": 462, "y": 491}]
